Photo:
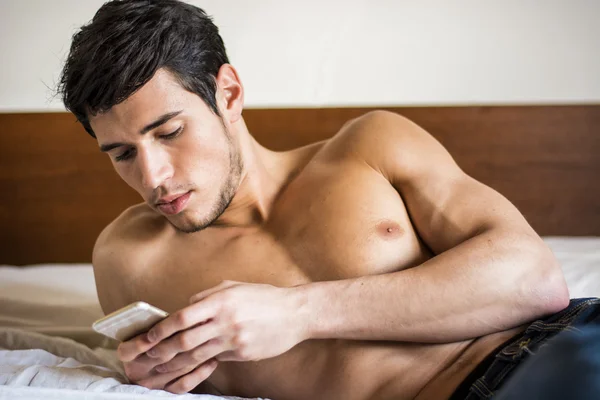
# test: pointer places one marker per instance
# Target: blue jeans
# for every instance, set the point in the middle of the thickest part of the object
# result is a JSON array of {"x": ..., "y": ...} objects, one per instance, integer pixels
[{"x": 554, "y": 358}]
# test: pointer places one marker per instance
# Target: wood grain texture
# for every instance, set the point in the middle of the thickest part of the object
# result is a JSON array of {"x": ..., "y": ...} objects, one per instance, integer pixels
[{"x": 59, "y": 191}]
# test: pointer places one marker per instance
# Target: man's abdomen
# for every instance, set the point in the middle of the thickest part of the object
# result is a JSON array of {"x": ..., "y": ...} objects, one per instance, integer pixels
[{"x": 340, "y": 369}]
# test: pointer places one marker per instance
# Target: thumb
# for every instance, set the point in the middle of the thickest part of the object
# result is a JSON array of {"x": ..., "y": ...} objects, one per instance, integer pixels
[{"x": 205, "y": 293}]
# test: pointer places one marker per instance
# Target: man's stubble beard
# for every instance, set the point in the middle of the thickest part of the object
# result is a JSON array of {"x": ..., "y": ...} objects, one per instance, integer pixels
[{"x": 227, "y": 192}]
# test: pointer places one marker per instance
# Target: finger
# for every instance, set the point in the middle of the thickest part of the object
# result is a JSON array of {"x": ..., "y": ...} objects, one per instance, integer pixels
[
  {"x": 140, "y": 368},
  {"x": 182, "y": 319},
  {"x": 205, "y": 293},
  {"x": 159, "y": 381},
  {"x": 184, "y": 341},
  {"x": 130, "y": 349},
  {"x": 191, "y": 380},
  {"x": 229, "y": 355},
  {"x": 197, "y": 356}
]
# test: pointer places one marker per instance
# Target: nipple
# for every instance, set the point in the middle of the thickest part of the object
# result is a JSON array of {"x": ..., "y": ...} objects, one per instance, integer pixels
[{"x": 389, "y": 229}]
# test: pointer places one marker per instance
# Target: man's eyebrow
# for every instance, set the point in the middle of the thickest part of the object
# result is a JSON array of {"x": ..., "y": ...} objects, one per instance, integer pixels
[
  {"x": 108, "y": 147},
  {"x": 161, "y": 120},
  {"x": 153, "y": 125}
]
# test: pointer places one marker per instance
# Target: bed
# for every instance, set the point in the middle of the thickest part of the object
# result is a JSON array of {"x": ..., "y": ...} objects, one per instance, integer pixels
[{"x": 59, "y": 192}]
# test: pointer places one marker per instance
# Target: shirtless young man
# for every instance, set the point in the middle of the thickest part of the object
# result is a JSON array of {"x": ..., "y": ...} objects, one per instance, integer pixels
[{"x": 368, "y": 266}]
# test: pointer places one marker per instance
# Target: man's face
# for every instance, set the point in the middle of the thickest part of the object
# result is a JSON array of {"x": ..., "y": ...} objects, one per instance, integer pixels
[{"x": 188, "y": 167}]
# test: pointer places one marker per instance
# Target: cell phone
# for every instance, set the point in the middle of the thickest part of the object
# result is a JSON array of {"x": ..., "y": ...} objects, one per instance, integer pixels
[{"x": 129, "y": 321}]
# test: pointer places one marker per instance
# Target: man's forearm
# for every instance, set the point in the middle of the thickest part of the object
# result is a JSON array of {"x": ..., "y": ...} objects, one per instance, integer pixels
[{"x": 491, "y": 282}]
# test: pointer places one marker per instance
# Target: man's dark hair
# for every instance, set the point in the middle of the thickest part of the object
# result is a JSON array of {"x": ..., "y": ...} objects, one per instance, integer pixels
[{"x": 124, "y": 45}]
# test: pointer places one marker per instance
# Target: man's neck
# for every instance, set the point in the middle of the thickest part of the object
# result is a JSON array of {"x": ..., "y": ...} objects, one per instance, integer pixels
[{"x": 264, "y": 175}]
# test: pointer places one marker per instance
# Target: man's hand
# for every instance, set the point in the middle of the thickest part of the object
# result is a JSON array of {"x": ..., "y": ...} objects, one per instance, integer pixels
[
  {"x": 230, "y": 322},
  {"x": 141, "y": 370}
]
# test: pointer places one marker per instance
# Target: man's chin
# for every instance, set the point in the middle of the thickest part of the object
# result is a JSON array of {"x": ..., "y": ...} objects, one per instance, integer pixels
[{"x": 184, "y": 225}]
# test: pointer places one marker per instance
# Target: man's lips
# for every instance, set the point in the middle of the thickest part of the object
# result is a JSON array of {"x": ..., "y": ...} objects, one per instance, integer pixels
[
  {"x": 168, "y": 199},
  {"x": 171, "y": 205}
]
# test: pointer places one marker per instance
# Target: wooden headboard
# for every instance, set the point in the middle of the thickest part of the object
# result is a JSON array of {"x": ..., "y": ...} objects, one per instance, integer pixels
[{"x": 59, "y": 191}]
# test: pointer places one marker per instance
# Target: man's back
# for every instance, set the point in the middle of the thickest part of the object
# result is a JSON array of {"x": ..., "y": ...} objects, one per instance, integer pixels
[{"x": 336, "y": 217}]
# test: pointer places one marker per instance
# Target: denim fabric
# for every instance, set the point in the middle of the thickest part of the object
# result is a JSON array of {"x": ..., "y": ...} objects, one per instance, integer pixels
[
  {"x": 579, "y": 313},
  {"x": 567, "y": 368}
]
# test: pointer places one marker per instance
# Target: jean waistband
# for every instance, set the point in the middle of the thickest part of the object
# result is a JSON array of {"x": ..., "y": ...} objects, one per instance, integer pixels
[{"x": 499, "y": 364}]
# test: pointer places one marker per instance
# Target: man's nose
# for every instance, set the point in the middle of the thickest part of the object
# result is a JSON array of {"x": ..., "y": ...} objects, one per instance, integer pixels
[{"x": 155, "y": 168}]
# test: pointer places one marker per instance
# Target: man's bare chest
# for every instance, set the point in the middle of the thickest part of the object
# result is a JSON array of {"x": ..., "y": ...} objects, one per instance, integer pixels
[
  {"x": 332, "y": 222},
  {"x": 343, "y": 221}
]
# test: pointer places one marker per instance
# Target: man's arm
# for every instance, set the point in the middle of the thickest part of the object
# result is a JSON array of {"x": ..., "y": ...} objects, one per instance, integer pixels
[
  {"x": 108, "y": 266},
  {"x": 491, "y": 271},
  {"x": 116, "y": 257}
]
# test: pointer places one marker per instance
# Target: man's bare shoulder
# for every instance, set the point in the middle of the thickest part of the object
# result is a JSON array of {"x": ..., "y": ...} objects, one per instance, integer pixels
[
  {"x": 368, "y": 133},
  {"x": 136, "y": 225},
  {"x": 391, "y": 144},
  {"x": 122, "y": 248}
]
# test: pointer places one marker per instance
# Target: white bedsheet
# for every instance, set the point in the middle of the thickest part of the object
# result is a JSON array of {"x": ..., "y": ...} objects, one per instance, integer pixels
[
  {"x": 49, "y": 351},
  {"x": 580, "y": 261},
  {"x": 34, "y": 365}
]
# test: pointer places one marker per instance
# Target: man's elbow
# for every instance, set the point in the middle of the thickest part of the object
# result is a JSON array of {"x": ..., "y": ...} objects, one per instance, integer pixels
[{"x": 547, "y": 286}]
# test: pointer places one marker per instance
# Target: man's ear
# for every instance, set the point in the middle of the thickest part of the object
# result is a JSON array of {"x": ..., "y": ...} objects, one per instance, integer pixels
[{"x": 230, "y": 93}]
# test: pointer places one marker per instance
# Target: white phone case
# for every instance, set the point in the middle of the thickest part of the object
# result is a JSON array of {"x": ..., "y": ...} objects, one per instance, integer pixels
[{"x": 129, "y": 321}]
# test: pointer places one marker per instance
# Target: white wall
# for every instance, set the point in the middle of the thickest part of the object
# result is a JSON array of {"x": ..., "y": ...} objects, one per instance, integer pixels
[{"x": 352, "y": 52}]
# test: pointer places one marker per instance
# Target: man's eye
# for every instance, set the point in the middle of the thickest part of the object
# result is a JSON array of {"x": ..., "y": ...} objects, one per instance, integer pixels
[
  {"x": 172, "y": 135},
  {"x": 125, "y": 155}
]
